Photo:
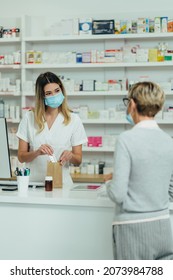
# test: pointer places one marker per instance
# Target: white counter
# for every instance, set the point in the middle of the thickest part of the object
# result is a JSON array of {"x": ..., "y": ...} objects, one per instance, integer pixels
[
  {"x": 56, "y": 197},
  {"x": 56, "y": 225}
]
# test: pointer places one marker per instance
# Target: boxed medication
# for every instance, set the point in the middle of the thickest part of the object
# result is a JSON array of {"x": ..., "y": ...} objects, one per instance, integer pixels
[
  {"x": 86, "y": 57},
  {"x": 152, "y": 55},
  {"x": 164, "y": 24},
  {"x": 88, "y": 85},
  {"x": 66, "y": 27},
  {"x": 123, "y": 26},
  {"x": 157, "y": 25},
  {"x": 118, "y": 55},
  {"x": 143, "y": 25},
  {"x": 151, "y": 25},
  {"x": 143, "y": 21},
  {"x": 100, "y": 56},
  {"x": 103, "y": 27},
  {"x": 95, "y": 141},
  {"x": 170, "y": 25},
  {"x": 143, "y": 29},
  {"x": 134, "y": 26},
  {"x": 129, "y": 26},
  {"x": 142, "y": 55},
  {"x": 85, "y": 26},
  {"x": 109, "y": 56},
  {"x": 117, "y": 26}
]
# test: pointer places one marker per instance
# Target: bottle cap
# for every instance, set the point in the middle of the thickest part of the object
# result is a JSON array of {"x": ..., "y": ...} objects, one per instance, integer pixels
[{"x": 48, "y": 178}]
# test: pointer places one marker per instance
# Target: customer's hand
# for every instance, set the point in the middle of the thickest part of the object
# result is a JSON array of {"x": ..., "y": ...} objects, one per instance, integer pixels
[
  {"x": 65, "y": 157},
  {"x": 107, "y": 177},
  {"x": 45, "y": 149}
]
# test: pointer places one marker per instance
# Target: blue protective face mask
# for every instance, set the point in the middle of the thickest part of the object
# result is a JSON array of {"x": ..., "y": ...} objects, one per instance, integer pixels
[
  {"x": 54, "y": 101},
  {"x": 130, "y": 119}
]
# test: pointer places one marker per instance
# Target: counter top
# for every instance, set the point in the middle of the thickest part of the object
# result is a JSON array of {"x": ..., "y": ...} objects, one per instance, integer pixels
[{"x": 57, "y": 197}]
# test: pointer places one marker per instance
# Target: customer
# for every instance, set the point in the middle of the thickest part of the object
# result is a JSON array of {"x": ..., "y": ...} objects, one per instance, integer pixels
[
  {"x": 50, "y": 128},
  {"x": 139, "y": 188}
]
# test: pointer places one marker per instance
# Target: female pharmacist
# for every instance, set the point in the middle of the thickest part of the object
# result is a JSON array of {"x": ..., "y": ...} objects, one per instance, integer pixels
[
  {"x": 50, "y": 129},
  {"x": 140, "y": 183}
]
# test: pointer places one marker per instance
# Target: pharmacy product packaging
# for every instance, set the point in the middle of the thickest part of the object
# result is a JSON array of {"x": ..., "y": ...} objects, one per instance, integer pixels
[{"x": 54, "y": 169}]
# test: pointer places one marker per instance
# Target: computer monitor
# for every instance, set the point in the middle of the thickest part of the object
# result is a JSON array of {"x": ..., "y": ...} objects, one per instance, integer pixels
[{"x": 5, "y": 164}]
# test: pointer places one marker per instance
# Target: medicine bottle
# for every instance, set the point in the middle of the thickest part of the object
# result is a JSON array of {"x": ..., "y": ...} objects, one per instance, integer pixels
[{"x": 48, "y": 183}]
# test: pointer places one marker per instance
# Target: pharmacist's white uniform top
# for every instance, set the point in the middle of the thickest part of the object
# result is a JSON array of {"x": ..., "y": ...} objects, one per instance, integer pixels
[{"x": 61, "y": 137}]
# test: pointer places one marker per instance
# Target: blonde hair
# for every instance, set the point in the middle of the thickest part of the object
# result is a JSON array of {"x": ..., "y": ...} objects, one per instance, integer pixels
[
  {"x": 149, "y": 98},
  {"x": 40, "y": 107}
]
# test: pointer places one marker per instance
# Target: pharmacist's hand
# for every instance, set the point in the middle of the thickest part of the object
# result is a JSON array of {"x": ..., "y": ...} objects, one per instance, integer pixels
[
  {"x": 45, "y": 149},
  {"x": 65, "y": 157},
  {"x": 107, "y": 177}
]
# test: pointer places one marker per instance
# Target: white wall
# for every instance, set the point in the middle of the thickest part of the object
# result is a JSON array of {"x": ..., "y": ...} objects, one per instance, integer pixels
[{"x": 89, "y": 8}]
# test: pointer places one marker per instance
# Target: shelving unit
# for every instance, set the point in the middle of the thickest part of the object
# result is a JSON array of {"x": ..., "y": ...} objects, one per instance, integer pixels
[
  {"x": 11, "y": 95},
  {"x": 34, "y": 37}
]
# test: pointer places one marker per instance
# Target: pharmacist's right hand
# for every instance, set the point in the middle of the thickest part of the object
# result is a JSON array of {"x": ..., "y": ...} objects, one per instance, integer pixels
[{"x": 45, "y": 149}]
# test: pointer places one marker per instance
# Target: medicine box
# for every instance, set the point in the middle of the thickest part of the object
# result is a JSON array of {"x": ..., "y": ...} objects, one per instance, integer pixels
[
  {"x": 103, "y": 27},
  {"x": 164, "y": 24},
  {"x": 157, "y": 25},
  {"x": 95, "y": 141},
  {"x": 88, "y": 85},
  {"x": 170, "y": 25},
  {"x": 85, "y": 26},
  {"x": 143, "y": 28},
  {"x": 86, "y": 57},
  {"x": 117, "y": 26},
  {"x": 152, "y": 55},
  {"x": 123, "y": 26},
  {"x": 151, "y": 25},
  {"x": 134, "y": 26}
]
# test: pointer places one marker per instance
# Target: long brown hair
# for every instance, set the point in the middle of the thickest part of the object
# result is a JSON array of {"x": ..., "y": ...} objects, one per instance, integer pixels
[{"x": 40, "y": 107}]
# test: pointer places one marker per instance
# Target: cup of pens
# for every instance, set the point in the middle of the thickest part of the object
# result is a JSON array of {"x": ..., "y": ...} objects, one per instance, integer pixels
[{"x": 22, "y": 180}]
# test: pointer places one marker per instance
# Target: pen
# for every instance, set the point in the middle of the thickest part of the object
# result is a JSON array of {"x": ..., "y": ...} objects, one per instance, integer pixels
[{"x": 22, "y": 171}]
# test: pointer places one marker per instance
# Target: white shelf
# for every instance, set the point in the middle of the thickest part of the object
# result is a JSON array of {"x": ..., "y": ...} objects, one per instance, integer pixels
[
  {"x": 101, "y": 121},
  {"x": 97, "y": 93},
  {"x": 96, "y": 37},
  {"x": 98, "y": 149},
  {"x": 9, "y": 93},
  {"x": 97, "y": 65},
  {"x": 165, "y": 121},
  {"x": 10, "y": 40},
  {"x": 10, "y": 66}
]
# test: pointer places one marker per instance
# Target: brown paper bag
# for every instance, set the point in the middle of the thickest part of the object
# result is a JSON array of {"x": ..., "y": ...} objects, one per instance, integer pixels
[{"x": 54, "y": 169}]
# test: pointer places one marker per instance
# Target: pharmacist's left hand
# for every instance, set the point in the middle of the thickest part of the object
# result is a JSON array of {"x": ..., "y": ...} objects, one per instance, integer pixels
[{"x": 65, "y": 157}]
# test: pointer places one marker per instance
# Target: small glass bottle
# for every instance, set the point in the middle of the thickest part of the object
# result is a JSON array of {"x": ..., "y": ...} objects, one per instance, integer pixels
[{"x": 48, "y": 183}]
